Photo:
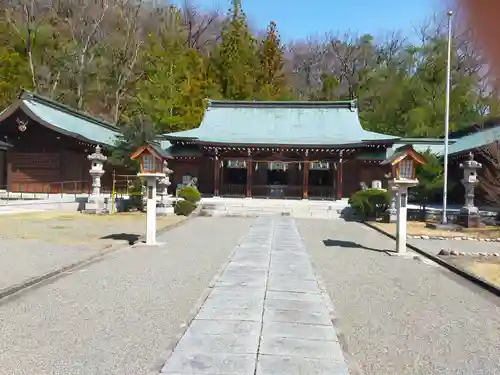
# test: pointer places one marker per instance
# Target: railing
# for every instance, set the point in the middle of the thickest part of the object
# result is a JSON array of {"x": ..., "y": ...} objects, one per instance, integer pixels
[
  {"x": 321, "y": 192},
  {"x": 233, "y": 190},
  {"x": 125, "y": 184},
  {"x": 277, "y": 191},
  {"x": 39, "y": 189}
]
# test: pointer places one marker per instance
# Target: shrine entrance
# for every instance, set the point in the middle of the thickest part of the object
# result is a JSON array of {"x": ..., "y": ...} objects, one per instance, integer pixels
[{"x": 277, "y": 177}]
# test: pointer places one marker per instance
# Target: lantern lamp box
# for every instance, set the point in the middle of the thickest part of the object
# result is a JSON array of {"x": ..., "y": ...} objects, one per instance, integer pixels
[
  {"x": 403, "y": 164},
  {"x": 150, "y": 157}
]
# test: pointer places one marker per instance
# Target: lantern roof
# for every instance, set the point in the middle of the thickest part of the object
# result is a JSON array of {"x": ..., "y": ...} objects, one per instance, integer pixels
[
  {"x": 154, "y": 149},
  {"x": 402, "y": 153}
]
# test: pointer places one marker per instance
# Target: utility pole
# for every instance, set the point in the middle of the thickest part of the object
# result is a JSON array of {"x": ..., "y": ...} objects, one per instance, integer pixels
[{"x": 444, "y": 219}]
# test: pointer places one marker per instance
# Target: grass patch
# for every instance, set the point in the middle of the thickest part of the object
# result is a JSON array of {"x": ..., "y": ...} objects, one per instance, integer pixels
[
  {"x": 487, "y": 268},
  {"x": 418, "y": 228},
  {"x": 74, "y": 228}
]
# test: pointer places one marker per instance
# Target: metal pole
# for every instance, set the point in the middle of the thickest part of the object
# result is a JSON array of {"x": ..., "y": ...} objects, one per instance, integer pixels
[{"x": 444, "y": 219}]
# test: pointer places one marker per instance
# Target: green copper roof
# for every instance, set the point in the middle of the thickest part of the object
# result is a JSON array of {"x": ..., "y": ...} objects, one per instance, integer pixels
[
  {"x": 420, "y": 145},
  {"x": 64, "y": 119},
  {"x": 474, "y": 140},
  {"x": 280, "y": 123}
]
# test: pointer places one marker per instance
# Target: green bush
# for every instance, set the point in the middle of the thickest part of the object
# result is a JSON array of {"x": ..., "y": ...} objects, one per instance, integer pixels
[
  {"x": 136, "y": 201},
  {"x": 183, "y": 207},
  {"x": 190, "y": 194},
  {"x": 370, "y": 203}
]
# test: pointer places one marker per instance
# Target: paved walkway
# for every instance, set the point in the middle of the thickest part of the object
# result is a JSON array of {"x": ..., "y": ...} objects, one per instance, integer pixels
[
  {"x": 116, "y": 316},
  {"x": 265, "y": 315},
  {"x": 401, "y": 316}
]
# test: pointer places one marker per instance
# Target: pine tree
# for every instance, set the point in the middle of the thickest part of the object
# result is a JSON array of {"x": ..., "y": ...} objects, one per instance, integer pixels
[
  {"x": 271, "y": 81},
  {"x": 235, "y": 60},
  {"x": 175, "y": 85}
]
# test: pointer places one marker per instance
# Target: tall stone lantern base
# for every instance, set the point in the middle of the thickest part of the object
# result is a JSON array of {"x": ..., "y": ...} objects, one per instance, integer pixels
[{"x": 469, "y": 218}]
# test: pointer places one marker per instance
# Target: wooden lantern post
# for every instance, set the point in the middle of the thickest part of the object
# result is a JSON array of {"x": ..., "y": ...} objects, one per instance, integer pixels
[
  {"x": 403, "y": 164},
  {"x": 151, "y": 169}
]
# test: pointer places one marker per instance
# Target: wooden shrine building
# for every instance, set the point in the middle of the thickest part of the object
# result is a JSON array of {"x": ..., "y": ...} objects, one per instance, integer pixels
[
  {"x": 301, "y": 150},
  {"x": 44, "y": 146}
]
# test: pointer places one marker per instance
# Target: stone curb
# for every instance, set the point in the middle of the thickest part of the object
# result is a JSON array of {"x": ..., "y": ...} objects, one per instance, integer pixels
[
  {"x": 6, "y": 292},
  {"x": 352, "y": 364},
  {"x": 456, "y": 238},
  {"x": 479, "y": 281},
  {"x": 445, "y": 252},
  {"x": 194, "y": 310}
]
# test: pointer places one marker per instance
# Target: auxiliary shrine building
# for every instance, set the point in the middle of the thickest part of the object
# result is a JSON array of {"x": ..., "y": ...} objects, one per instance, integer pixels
[{"x": 300, "y": 150}]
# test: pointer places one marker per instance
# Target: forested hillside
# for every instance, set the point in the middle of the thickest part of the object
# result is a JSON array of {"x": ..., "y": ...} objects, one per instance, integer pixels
[{"x": 134, "y": 63}]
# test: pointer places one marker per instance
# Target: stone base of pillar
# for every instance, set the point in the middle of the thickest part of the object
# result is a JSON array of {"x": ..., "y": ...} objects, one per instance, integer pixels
[
  {"x": 95, "y": 205},
  {"x": 390, "y": 216},
  {"x": 164, "y": 209},
  {"x": 470, "y": 219}
]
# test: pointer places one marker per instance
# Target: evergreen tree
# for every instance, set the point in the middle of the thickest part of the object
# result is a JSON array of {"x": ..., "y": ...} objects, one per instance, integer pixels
[
  {"x": 235, "y": 60},
  {"x": 14, "y": 72},
  {"x": 271, "y": 80},
  {"x": 175, "y": 83}
]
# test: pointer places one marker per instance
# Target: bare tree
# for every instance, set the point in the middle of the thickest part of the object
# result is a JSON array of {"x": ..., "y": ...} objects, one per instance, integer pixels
[
  {"x": 304, "y": 63},
  {"x": 202, "y": 29},
  {"x": 128, "y": 39},
  {"x": 354, "y": 56},
  {"x": 84, "y": 19},
  {"x": 26, "y": 17},
  {"x": 489, "y": 182}
]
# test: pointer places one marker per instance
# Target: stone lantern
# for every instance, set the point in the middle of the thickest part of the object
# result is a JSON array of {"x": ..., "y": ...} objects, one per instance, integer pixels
[
  {"x": 469, "y": 214},
  {"x": 164, "y": 206},
  {"x": 403, "y": 164},
  {"x": 96, "y": 200},
  {"x": 151, "y": 158},
  {"x": 391, "y": 212}
]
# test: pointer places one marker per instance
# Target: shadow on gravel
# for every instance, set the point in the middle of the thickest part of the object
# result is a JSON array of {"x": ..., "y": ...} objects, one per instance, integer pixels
[
  {"x": 127, "y": 237},
  {"x": 352, "y": 245}
]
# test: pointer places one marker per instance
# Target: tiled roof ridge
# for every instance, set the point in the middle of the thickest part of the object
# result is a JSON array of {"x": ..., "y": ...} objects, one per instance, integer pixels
[
  {"x": 25, "y": 94},
  {"x": 347, "y": 104}
]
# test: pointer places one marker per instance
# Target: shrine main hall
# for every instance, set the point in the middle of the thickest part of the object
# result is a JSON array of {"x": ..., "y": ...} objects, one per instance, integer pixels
[{"x": 279, "y": 149}]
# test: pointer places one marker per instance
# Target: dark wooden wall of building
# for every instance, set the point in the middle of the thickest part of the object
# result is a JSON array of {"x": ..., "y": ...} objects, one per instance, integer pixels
[{"x": 43, "y": 159}]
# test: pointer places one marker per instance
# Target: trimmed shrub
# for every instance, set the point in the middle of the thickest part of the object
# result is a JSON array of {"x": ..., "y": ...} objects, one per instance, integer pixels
[
  {"x": 370, "y": 203},
  {"x": 190, "y": 194},
  {"x": 184, "y": 207}
]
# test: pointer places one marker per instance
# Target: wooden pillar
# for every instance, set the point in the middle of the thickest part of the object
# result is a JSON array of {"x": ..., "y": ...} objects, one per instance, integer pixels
[
  {"x": 249, "y": 175},
  {"x": 339, "y": 176},
  {"x": 305, "y": 171},
  {"x": 216, "y": 173},
  {"x": 333, "y": 170}
]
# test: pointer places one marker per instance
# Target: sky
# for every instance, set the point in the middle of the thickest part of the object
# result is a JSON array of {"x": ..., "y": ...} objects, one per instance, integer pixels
[{"x": 299, "y": 19}]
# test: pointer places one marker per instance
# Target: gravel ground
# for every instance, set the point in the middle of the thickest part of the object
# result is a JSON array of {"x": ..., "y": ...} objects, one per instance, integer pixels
[
  {"x": 38, "y": 243},
  {"x": 116, "y": 316},
  {"x": 435, "y": 246},
  {"x": 403, "y": 316}
]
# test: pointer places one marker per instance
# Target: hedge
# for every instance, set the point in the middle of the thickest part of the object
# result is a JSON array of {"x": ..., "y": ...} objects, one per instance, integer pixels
[
  {"x": 183, "y": 207},
  {"x": 190, "y": 194},
  {"x": 370, "y": 203}
]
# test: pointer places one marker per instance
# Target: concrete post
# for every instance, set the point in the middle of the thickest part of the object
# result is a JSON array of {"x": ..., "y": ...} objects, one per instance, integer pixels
[
  {"x": 151, "y": 211},
  {"x": 401, "y": 204},
  {"x": 151, "y": 180}
]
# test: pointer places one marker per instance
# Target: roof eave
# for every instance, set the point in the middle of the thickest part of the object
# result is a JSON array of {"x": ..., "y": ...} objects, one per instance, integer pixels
[
  {"x": 287, "y": 145},
  {"x": 57, "y": 129}
]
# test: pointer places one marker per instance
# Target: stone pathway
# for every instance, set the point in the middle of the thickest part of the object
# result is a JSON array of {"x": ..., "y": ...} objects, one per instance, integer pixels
[{"x": 265, "y": 315}]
